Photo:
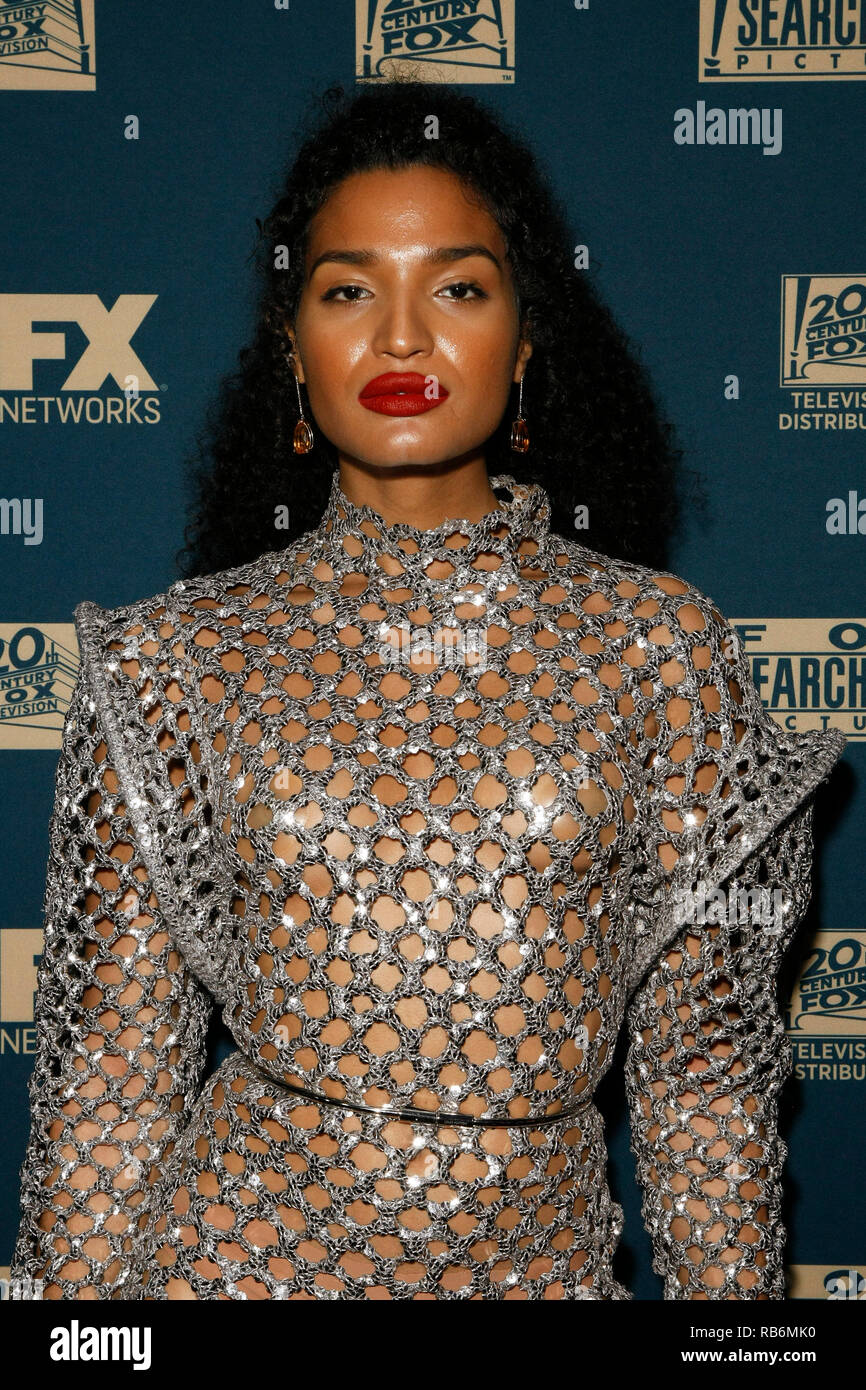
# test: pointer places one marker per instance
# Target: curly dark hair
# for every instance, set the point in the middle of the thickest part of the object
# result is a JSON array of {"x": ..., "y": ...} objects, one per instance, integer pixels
[{"x": 597, "y": 435}]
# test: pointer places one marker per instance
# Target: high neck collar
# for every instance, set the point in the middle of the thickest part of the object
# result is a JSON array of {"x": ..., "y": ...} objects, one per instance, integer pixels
[{"x": 352, "y": 534}]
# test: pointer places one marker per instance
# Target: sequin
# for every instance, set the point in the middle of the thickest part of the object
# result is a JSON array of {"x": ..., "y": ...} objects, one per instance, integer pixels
[{"x": 426, "y": 894}]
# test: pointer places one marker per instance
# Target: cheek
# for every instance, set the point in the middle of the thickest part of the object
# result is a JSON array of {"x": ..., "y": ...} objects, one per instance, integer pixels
[
  {"x": 330, "y": 350},
  {"x": 485, "y": 353},
  {"x": 327, "y": 338},
  {"x": 330, "y": 361}
]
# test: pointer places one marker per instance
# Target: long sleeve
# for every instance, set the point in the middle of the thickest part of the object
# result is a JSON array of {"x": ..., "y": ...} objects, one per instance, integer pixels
[
  {"x": 724, "y": 881},
  {"x": 120, "y": 1026},
  {"x": 707, "y": 1058}
]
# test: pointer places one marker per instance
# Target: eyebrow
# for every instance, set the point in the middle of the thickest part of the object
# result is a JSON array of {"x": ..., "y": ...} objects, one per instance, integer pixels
[{"x": 441, "y": 255}]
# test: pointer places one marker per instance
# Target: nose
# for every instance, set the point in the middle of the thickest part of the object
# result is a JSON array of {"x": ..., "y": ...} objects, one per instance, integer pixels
[{"x": 401, "y": 326}]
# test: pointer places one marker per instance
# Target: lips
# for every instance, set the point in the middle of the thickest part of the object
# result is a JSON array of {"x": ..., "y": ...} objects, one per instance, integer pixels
[
  {"x": 400, "y": 393},
  {"x": 396, "y": 384}
]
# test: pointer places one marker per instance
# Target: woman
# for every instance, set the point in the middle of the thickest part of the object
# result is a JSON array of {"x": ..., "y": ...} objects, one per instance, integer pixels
[{"x": 431, "y": 800}]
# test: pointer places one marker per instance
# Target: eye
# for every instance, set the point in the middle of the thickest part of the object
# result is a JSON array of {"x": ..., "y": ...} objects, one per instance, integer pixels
[
  {"x": 337, "y": 289},
  {"x": 477, "y": 291}
]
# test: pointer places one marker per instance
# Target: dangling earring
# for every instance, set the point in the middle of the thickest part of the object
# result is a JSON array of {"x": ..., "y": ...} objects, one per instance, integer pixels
[
  {"x": 302, "y": 442},
  {"x": 519, "y": 432}
]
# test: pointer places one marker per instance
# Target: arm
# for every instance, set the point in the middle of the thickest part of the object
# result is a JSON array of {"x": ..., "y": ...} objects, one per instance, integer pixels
[
  {"x": 723, "y": 877},
  {"x": 120, "y": 1033},
  {"x": 707, "y": 1057}
]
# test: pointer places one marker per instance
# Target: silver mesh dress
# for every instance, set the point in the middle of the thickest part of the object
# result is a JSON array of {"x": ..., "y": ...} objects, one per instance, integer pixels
[{"x": 430, "y": 815}]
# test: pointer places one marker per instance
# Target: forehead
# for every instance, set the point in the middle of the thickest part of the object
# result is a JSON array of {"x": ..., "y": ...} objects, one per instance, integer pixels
[{"x": 384, "y": 207}]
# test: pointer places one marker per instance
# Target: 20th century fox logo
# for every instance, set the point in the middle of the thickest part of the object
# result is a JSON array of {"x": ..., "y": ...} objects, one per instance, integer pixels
[
  {"x": 452, "y": 40},
  {"x": 782, "y": 40},
  {"x": 47, "y": 45},
  {"x": 823, "y": 351}
]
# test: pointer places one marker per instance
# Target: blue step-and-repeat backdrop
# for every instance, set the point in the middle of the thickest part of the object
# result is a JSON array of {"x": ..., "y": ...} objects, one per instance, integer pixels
[{"x": 710, "y": 153}]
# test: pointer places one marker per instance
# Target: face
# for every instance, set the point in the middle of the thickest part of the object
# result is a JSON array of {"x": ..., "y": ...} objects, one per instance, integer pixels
[{"x": 406, "y": 273}]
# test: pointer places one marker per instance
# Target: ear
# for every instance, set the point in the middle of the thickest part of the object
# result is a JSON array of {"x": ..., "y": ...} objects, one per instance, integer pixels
[
  {"x": 293, "y": 351},
  {"x": 524, "y": 352}
]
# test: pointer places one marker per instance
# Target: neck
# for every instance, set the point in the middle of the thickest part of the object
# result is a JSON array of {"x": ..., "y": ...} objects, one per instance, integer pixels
[
  {"x": 356, "y": 539},
  {"x": 421, "y": 496}
]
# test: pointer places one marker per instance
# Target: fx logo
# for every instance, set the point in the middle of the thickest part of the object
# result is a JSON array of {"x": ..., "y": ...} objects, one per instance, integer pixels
[{"x": 108, "y": 333}]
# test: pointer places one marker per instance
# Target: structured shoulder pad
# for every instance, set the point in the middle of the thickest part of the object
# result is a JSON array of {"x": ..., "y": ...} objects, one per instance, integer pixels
[
  {"x": 720, "y": 775},
  {"x": 139, "y": 674}
]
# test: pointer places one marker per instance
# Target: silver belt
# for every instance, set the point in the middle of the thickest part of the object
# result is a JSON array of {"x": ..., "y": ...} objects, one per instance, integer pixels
[{"x": 426, "y": 1116}]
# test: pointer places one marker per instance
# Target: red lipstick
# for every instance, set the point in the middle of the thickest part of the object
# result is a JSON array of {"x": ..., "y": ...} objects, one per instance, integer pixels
[{"x": 401, "y": 393}]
